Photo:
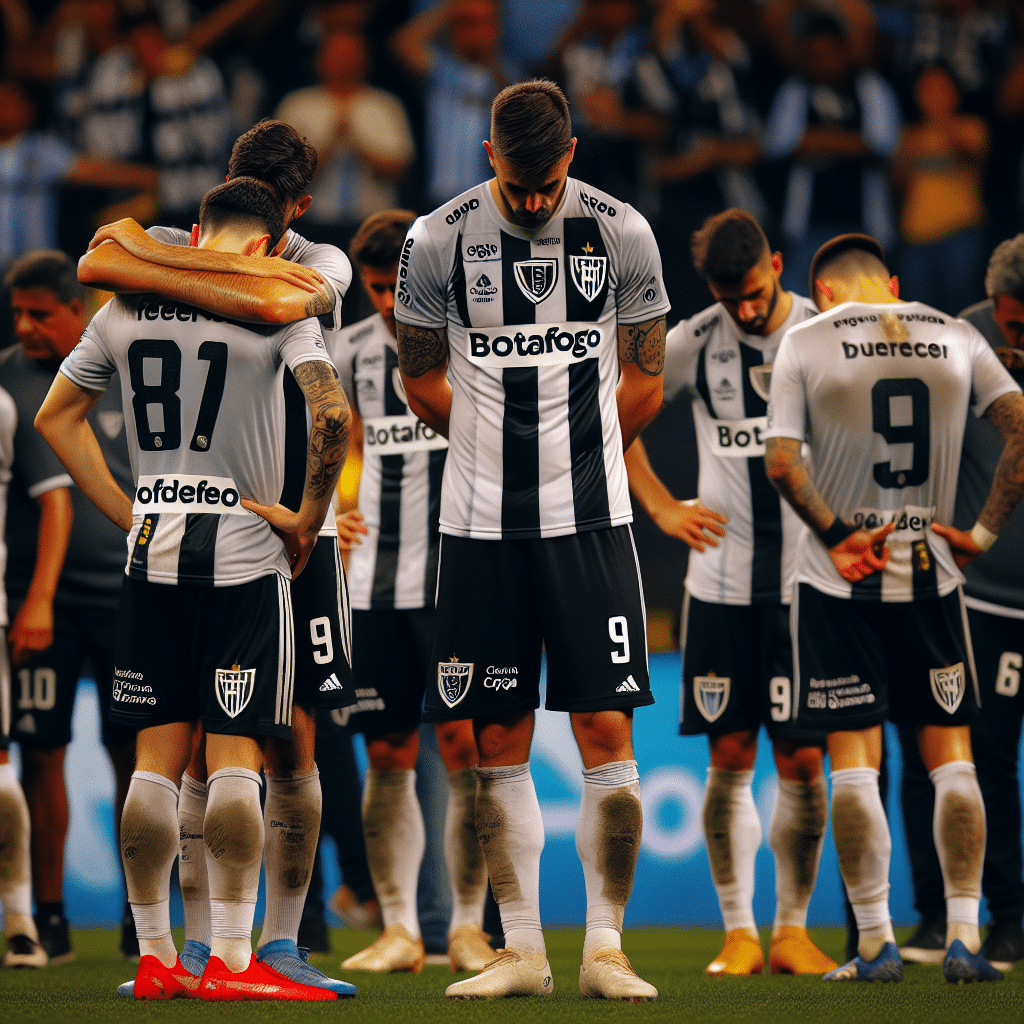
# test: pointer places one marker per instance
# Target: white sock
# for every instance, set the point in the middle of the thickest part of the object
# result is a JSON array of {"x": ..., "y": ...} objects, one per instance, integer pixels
[
  {"x": 608, "y": 842},
  {"x": 149, "y": 844},
  {"x": 395, "y": 841},
  {"x": 467, "y": 870},
  {"x": 959, "y": 830},
  {"x": 233, "y": 832},
  {"x": 511, "y": 833},
  {"x": 864, "y": 846},
  {"x": 195, "y": 884},
  {"x": 796, "y": 835},
  {"x": 732, "y": 831},
  {"x": 15, "y": 866},
  {"x": 291, "y": 823}
]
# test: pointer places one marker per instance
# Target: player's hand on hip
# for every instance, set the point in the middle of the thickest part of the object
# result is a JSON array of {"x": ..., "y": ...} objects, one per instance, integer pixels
[
  {"x": 299, "y": 539},
  {"x": 691, "y": 522},
  {"x": 961, "y": 543},
  {"x": 351, "y": 529},
  {"x": 862, "y": 553}
]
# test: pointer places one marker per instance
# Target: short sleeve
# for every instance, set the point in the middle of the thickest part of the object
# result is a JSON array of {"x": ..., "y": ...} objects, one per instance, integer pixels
[
  {"x": 641, "y": 291},
  {"x": 90, "y": 364},
  {"x": 989, "y": 378},
  {"x": 302, "y": 342},
  {"x": 331, "y": 262},
  {"x": 421, "y": 299},
  {"x": 680, "y": 361},
  {"x": 169, "y": 236},
  {"x": 787, "y": 406}
]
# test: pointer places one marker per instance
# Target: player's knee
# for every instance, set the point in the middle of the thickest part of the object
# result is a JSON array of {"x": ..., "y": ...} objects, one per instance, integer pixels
[
  {"x": 734, "y": 751},
  {"x": 799, "y": 763},
  {"x": 393, "y": 751},
  {"x": 603, "y": 736},
  {"x": 457, "y": 746}
]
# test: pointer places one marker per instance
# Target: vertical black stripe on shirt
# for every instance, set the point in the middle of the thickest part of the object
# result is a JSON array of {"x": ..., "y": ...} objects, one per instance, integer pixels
[
  {"x": 518, "y": 308},
  {"x": 520, "y": 452},
  {"x": 140, "y": 552},
  {"x": 586, "y": 447},
  {"x": 296, "y": 435},
  {"x": 702, "y": 380},
  {"x": 459, "y": 286},
  {"x": 583, "y": 239},
  {"x": 198, "y": 547},
  {"x": 435, "y": 474},
  {"x": 765, "y": 504},
  {"x": 392, "y": 469}
]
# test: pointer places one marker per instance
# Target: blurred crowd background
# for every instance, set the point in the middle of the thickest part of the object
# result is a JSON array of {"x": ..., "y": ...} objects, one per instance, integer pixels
[{"x": 903, "y": 118}]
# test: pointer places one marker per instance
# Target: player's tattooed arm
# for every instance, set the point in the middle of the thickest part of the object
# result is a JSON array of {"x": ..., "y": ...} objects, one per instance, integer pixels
[
  {"x": 1007, "y": 414},
  {"x": 423, "y": 360},
  {"x": 331, "y": 429},
  {"x": 421, "y": 349},
  {"x": 644, "y": 345}
]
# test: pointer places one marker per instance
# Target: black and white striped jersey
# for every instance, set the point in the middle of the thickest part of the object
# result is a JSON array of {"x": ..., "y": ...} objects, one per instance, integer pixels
[
  {"x": 535, "y": 444},
  {"x": 727, "y": 372},
  {"x": 400, "y": 486},
  {"x": 8, "y": 425},
  {"x": 881, "y": 392},
  {"x": 204, "y": 411}
]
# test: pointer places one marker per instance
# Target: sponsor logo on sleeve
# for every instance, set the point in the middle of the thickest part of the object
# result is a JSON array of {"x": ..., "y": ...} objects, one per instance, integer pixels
[
  {"x": 712, "y": 695},
  {"x": 453, "y": 680},
  {"x": 234, "y": 688},
  {"x": 949, "y": 686}
]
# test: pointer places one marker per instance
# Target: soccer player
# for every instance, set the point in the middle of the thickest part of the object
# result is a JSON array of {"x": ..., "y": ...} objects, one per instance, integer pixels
[
  {"x": 64, "y": 575},
  {"x": 393, "y": 575},
  {"x": 531, "y": 333},
  {"x": 20, "y": 932},
  {"x": 205, "y": 630},
  {"x": 881, "y": 389},
  {"x": 737, "y": 664},
  {"x": 312, "y": 281}
]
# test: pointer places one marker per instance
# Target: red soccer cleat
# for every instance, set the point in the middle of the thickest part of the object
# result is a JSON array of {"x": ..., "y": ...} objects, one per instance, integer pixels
[
  {"x": 257, "y": 981},
  {"x": 154, "y": 981}
]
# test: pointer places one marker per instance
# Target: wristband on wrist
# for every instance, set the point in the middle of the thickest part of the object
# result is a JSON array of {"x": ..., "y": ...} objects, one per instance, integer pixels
[
  {"x": 983, "y": 537},
  {"x": 836, "y": 533}
]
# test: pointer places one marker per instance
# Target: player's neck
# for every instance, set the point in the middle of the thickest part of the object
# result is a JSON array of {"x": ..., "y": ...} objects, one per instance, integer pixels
[{"x": 780, "y": 314}]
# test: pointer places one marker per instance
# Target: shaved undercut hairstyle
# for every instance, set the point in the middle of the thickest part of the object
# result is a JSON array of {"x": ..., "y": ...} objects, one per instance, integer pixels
[
  {"x": 530, "y": 126},
  {"x": 50, "y": 269},
  {"x": 727, "y": 246},
  {"x": 243, "y": 201},
  {"x": 275, "y": 153},
  {"x": 1005, "y": 274},
  {"x": 378, "y": 242},
  {"x": 850, "y": 263}
]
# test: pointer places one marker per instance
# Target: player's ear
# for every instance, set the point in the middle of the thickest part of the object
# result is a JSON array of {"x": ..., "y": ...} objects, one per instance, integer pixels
[
  {"x": 777, "y": 262},
  {"x": 490, "y": 152},
  {"x": 894, "y": 286},
  {"x": 194, "y": 237},
  {"x": 302, "y": 206},
  {"x": 572, "y": 148},
  {"x": 258, "y": 246},
  {"x": 826, "y": 292}
]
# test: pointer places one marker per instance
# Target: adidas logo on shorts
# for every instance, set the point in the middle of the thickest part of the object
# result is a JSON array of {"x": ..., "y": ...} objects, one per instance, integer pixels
[
  {"x": 332, "y": 682},
  {"x": 627, "y": 686}
]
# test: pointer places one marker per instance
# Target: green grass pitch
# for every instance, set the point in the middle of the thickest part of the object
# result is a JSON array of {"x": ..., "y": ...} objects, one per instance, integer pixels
[{"x": 673, "y": 960}]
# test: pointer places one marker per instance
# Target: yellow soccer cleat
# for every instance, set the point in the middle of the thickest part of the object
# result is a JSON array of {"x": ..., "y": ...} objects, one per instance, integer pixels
[
  {"x": 741, "y": 954},
  {"x": 468, "y": 949},
  {"x": 793, "y": 952},
  {"x": 393, "y": 950}
]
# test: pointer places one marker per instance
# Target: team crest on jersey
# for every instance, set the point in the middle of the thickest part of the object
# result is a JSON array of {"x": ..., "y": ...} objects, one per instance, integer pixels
[
  {"x": 712, "y": 695},
  {"x": 588, "y": 274},
  {"x": 234, "y": 688},
  {"x": 537, "y": 277},
  {"x": 761, "y": 380},
  {"x": 948, "y": 686},
  {"x": 453, "y": 679}
]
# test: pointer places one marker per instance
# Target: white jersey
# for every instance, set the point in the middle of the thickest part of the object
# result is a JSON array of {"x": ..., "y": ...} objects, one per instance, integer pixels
[
  {"x": 400, "y": 486},
  {"x": 727, "y": 371},
  {"x": 536, "y": 447},
  {"x": 882, "y": 392},
  {"x": 205, "y": 426}
]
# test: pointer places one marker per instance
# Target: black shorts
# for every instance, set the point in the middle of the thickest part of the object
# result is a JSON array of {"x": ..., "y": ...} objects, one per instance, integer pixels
[
  {"x": 500, "y": 600},
  {"x": 859, "y": 663},
  {"x": 223, "y": 655},
  {"x": 323, "y": 631},
  {"x": 738, "y": 671},
  {"x": 998, "y": 644},
  {"x": 5, "y": 693},
  {"x": 44, "y": 689},
  {"x": 391, "y": 650}
]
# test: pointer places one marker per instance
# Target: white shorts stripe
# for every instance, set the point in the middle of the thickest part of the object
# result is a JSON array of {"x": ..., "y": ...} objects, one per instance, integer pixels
[{"x": 285, "y": 654}]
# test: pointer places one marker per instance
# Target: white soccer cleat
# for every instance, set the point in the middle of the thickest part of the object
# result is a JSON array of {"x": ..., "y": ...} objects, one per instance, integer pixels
[
  {"x": 607, "y": 974},
  {"x": 512, "y": 972},
  {"x": 393, "y": 950},
  {"x": 468, "y": 949}
]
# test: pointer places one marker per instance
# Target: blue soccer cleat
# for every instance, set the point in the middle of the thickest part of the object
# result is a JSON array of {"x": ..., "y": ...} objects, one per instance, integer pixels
[
  {"x": 193, "y": 958},
  {"x": 285, "y": 957},
  {"x": 887, "y": 966},
  {"x": 960, "y": 965}
]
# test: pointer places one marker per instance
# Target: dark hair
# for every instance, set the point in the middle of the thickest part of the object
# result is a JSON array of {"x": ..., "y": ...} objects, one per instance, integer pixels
[
  {"x": 50, "y": 269},
  {"x": 378, "y": 242},
  {"x": 727, "y": 246},
  {"x": 1005, "y": 274},
  {"x": 243, "y": 200},
  {"x": 274, "y": 152},
  {"x": 530, "y": 125}
]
